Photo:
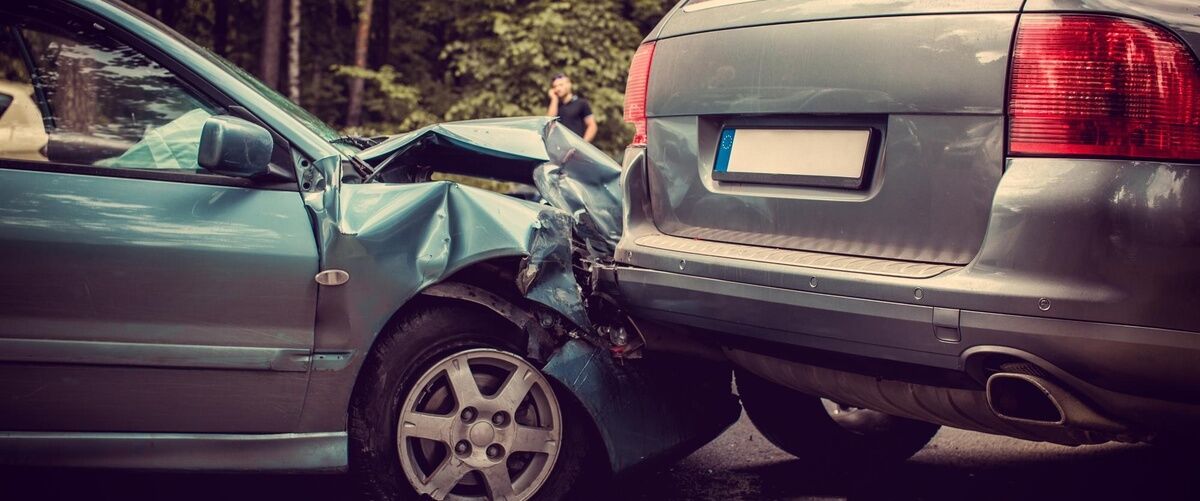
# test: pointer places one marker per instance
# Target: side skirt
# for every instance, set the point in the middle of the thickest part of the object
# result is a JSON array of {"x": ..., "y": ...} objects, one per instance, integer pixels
[{"x": 275, "y": 453}]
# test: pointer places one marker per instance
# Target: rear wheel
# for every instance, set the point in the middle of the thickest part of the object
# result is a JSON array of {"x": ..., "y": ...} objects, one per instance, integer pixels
[
  {"x": 824, "y": 433},
  {"x": 448, "y": 410}
]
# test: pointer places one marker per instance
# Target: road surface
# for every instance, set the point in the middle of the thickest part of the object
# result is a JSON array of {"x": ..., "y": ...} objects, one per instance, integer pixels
[{"x": 740, "y": 464}]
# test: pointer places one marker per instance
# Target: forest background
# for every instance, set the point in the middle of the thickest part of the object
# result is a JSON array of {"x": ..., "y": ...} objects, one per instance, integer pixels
[{"x": 373, "y": 67}]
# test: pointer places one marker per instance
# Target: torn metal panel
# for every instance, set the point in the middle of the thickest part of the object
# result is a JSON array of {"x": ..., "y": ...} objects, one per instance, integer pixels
[
  {"x": 647, "y": 410},
  {"x": 585, "y": 182}
]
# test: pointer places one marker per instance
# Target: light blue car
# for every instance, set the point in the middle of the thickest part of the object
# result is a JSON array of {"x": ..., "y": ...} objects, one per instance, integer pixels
[{"x": 200, "y": 275}]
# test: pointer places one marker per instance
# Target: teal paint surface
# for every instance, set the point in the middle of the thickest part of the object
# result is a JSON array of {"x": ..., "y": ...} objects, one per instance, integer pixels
[
  {"x": 647, "y": 410},
  {"x": 98, "y": 266},
  {"x": 397, "y": 239},
  {"x": 170, "y": 269},
  {"x": 570, "y": 174}
]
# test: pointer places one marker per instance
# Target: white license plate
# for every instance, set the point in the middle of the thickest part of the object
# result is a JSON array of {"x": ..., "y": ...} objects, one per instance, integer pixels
[{"x": 819, "y": 157}]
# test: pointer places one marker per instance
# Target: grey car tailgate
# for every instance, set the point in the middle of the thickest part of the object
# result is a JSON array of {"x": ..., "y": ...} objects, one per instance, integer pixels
[{"x": 708, "y": 15}]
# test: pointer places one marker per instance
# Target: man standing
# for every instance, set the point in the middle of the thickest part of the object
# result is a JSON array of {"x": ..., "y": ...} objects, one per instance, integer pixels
[{"x": 573, "y": 111}]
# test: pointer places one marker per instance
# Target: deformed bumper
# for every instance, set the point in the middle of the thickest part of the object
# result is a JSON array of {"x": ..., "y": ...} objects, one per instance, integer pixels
[{"x": 647, "y": 411}]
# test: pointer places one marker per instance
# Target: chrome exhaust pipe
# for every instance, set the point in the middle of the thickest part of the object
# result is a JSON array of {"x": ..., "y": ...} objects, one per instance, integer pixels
[{"x": 1029, "y": 399}]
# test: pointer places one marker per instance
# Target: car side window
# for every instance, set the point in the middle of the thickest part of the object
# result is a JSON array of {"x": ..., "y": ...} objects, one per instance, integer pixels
[
  {"x": 92, "y": 100},
  {"x": 22, "y": 134}
]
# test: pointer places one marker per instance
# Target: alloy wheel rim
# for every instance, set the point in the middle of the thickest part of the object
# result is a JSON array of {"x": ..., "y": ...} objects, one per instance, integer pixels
[{"x": 479, "y": 424}]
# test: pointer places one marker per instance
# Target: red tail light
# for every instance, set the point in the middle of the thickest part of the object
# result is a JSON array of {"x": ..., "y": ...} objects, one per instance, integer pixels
[
  {"x": 635, "y": 91},
  {"x": 1103, "y": 86}
]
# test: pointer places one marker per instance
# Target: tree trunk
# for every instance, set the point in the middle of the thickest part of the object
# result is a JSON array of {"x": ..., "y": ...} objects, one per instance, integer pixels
[
  {"x": 75, "y": 109},
  {"x": 293, "y": 56},
  {"x": 272, "y": 42},
  {"x": 354, "y": 110},
  {"x": 221, "y": 27},
  {"x": 381, "y": 36}
]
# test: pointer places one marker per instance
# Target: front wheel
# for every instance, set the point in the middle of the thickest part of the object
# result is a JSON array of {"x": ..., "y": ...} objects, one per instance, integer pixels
[
  {"x": 452, "y": 412},
  {"x": 824, "y": 433}
]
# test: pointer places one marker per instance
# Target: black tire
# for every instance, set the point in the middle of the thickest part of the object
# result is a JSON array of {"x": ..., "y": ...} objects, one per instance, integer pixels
[
  {"x": 434, "y": 330},
  {"x": 801, "y": 425}
]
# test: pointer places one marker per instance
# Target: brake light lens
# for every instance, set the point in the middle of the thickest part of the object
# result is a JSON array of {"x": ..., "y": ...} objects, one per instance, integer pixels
[
  {"x": 1101, "y": 86},
  {"x": 635, "y": 92}
]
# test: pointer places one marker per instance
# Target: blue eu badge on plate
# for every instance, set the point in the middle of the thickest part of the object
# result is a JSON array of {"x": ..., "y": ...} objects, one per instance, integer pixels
[{"x": 724, "y": 150}]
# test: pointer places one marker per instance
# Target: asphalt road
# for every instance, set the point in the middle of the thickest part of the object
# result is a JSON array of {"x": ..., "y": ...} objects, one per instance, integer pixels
[{"x": 738, "y": 465}]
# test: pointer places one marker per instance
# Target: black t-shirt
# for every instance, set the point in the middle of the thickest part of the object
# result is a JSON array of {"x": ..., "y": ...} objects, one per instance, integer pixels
[{"x": 572, "y": 113}]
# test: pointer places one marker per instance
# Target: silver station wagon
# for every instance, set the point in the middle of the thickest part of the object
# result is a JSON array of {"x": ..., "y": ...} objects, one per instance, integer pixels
[{"x": 895, "y": 215}]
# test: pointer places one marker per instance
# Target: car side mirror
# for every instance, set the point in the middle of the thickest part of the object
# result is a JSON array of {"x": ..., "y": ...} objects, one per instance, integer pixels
[{"x": 235, "y": 147}]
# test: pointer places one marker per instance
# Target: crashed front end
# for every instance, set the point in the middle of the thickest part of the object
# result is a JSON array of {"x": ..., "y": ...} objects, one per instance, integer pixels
[{"x": 388, "y": 222}]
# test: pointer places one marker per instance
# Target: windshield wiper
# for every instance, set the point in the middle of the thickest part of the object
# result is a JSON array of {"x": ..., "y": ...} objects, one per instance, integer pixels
[
  {"x": 359, "y": 142},
  {"x": 362, "y": 168}
]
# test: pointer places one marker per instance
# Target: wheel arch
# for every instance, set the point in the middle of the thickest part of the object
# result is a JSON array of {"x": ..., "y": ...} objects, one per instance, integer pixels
[
  {"x": 489, "y": 286},
  {"x": 485, "y": 285}
]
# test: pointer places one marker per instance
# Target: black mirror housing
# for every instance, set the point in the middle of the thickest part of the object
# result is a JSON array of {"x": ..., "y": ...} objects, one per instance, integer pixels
[{"x": 235, "y": 147}]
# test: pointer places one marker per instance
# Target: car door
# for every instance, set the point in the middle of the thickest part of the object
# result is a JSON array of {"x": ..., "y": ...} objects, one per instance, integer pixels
[{"x": 138, "y": 293}]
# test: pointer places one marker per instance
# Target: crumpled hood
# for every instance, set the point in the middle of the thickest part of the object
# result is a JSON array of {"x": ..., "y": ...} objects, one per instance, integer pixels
[
  {"x": 394, "y": 239},
  {"x": 570, "y": 174}
]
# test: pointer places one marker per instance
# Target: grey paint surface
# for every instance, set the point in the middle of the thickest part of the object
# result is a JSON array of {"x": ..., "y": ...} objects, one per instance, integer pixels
[
  {"x": 774, "y": 255},
  {"x": 1084, "y": 267},
  {"x": 928, "y": 199},
  {"x": 1115, "y": 243},
  {"x": 942, "y": 149},
  {"x": 879, "y": 65},
  {"x": 878, "y": 329},
  {"x": 790, "y": 11},
  {"x": 1101, "y": 240},
  {"x": 1138, "y": 375}
]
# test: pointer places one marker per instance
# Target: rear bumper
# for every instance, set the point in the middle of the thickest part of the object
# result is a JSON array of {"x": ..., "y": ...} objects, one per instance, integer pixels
[
  {"x": 1140, "y": 375},
  {"x": 1105, "y": 241},
  {"x": 1088, "y": 269}
]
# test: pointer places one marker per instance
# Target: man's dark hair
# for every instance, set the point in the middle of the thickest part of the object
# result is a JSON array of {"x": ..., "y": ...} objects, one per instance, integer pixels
[{"x": 558, "y": 76}]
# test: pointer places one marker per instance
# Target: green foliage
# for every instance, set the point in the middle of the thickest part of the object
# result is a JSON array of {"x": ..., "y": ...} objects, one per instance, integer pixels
[
  {"x": 439, "y": 60},
  {"x": 392, "y": 99},
  {"x": 503, "y": 61}
]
